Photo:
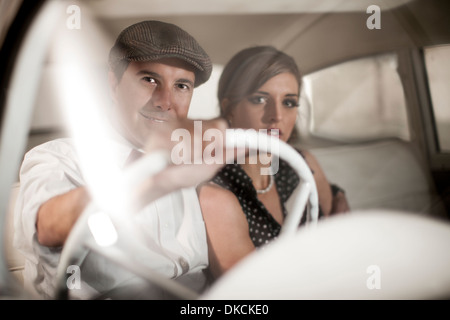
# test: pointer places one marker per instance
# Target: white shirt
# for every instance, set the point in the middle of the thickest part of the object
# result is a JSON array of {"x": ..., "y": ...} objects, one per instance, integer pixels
[{"x": 173, "y": 224}]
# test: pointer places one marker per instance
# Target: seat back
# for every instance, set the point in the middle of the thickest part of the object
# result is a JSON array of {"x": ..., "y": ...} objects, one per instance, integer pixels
[
  {"x": 381, "y": 175},
  {"x": 14, "y": 258}
]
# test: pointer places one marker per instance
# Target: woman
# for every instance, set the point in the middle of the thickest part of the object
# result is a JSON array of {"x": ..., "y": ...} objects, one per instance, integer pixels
[{"x": 243, "y": 209}]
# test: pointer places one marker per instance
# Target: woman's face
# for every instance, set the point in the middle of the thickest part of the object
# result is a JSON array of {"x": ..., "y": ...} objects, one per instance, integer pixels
[{"x": 272, "y": 107}]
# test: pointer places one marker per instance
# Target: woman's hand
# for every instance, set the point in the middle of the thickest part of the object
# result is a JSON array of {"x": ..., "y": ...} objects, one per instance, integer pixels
[{"x": 339, "y": 203}]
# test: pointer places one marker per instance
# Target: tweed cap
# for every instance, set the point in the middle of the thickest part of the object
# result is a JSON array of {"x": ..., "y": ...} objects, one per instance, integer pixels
[{"x": 154, "y": 40}]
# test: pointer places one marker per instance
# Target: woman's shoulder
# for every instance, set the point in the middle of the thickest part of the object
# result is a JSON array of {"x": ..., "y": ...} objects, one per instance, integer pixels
[
  {"x": 211, "y": 191},
  {"x": 219, "y": 206},
  {"x": 214, "y": 197},
  {"x": 303, "y": 152},
  {"x": 308, "y": 156}
]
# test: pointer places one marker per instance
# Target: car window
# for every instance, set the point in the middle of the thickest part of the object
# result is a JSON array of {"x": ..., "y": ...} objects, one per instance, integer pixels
[
  {"x": 437, "y": 60},
  {"x": 357, "y": 100}
]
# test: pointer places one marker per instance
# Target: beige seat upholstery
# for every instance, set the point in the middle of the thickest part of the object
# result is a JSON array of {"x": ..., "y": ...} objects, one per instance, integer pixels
[
  {"x": 382, "y": 175},
  {"x": 14, "y": 258}
]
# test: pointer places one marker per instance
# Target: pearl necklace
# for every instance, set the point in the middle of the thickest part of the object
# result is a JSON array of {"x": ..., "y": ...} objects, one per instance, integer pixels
[{"x": 268, "y": 187}]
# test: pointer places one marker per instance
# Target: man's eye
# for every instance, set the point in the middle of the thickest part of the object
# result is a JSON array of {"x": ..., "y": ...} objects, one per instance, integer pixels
[
  {"x": 183, "y": 86},
  {"x": 149, "y": 79}
]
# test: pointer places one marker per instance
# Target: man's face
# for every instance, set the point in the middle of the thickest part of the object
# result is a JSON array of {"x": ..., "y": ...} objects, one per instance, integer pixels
[{"x": 151, "y": 94}]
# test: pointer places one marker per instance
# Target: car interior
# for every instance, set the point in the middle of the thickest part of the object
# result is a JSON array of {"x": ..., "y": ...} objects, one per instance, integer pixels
[{"x": 374, "y": 105}]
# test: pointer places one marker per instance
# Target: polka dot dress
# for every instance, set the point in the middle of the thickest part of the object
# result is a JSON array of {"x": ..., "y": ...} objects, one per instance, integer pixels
[{"x": 262, "y": 226}]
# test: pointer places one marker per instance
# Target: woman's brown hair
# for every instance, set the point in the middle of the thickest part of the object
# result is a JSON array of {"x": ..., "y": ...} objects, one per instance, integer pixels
[{"x": 248, "y": 70}]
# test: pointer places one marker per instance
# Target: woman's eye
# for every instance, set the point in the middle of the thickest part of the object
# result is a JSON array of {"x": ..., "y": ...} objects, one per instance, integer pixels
[
  {"x": 258, "y": 100},
  {"x": 291, "y": 103}
]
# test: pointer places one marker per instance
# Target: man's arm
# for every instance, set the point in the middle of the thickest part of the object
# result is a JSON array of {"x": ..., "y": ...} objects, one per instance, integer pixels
[{"x": 56, "y": 217}]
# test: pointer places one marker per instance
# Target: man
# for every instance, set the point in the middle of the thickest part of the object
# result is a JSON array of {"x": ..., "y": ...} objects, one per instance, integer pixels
[{"x": 154, "y": 67}]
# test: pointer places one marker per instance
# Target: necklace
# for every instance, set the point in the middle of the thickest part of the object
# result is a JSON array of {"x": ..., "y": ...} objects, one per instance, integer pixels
[{"x": 268, "y": 187}]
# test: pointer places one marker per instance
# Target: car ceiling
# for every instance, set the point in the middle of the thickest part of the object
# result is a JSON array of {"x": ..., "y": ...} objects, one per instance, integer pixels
[{"x": 316, "y": 33}]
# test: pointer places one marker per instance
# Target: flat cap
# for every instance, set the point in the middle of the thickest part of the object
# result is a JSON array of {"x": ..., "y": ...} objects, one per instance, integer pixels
[{"x": 153, "y": 40}]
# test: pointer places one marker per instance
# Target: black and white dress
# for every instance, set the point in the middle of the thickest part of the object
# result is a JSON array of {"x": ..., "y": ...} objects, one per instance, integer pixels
[{"x": 262, "y": 226}]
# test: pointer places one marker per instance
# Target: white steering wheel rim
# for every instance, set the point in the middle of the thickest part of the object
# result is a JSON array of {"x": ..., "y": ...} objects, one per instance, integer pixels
[{"x": 80, "y": 240}]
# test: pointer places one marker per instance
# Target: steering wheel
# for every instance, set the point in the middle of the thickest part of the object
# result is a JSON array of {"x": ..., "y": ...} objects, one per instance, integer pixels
[{"x": 84, "y": 237}]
